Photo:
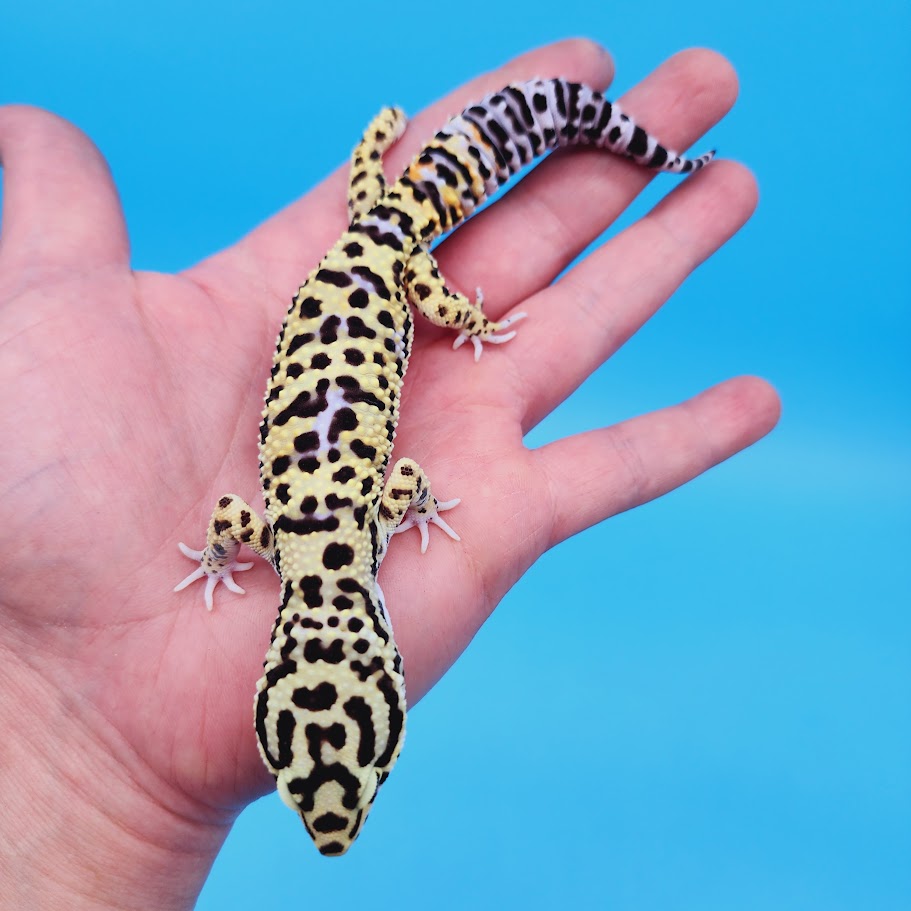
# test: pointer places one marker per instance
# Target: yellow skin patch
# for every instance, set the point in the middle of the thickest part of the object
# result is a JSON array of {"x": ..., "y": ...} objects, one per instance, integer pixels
[{"x": 330, "y": 707}]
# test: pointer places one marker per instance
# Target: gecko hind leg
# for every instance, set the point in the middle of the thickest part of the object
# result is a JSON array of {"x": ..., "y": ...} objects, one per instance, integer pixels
[
  {"x": 367, "y": 184},
  {"x": 428, "y": 293},
  {"x": 233, "y": 523},
  {"x": 408, "y": 502}
]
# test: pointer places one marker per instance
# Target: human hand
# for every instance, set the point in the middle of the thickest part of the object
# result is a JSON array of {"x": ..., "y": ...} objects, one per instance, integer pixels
[{"x": 129, "y": 741}]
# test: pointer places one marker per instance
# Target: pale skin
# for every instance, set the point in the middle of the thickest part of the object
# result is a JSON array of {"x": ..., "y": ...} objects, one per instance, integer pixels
[{"x": 132, "y": 402}]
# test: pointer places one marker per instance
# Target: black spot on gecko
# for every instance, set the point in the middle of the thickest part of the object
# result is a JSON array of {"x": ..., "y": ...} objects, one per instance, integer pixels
[
  {"x": 362, "y": 450},
  {"x": 353, "y": 249},
  {"x": 342, "y": 603},
  {"x": 283, "y": 492},
  {"x": 659, "y": 157},
  {"x": 320, "y": 361},
  {"x": 387, "y": 687},
  {"x": 314, "y": 651},
  {"x": 317, "y": 735},
  {"x": 308, "y": 465},
  {"x": 335, "y": 502},
  {"x": 332, "y": 277},
  {"x": 289, "y": 645},
  {"x": 306, "y": 525},
  {"x": 335, "y": 556},
  {"x": 224, "y": 502},
  {"x": 448, "y": 177},
  {"x": 357, "y": 328},
  {"x": 354, "y": 393},
  {"x": 364, "y": 671},
  {"x": 359, "y": 299},
  {"x": 300, "y": 340},
  {"x": 345, "y": 473},
  {"x": 330, "y": 822},
  {"x": 262, "y": 710},
  {"x": 354, "y": 357},
  {"x": 361, "y": 646},
  {"x": 284, "y": 730},
  {"x": 220, "y": 526},
  {"x": 320, "y": 699},
  {"x": 334, "y": 847},
  {"x": 343, "y": 419},
  {"x": 328, "y": 332},
  {"x": 310, "y": 307},
  {"x": 311, "y": 586},
  {"x": 280, "y": 465},
  {"x": 306, "y": 442},
  {"x": 357, "y": 709},
  {"x": 359, "y": 514},
  {"x": 294, "y": 371},
  {"x": 309, "y": 504},
  {"x": 305, "y": 405}
]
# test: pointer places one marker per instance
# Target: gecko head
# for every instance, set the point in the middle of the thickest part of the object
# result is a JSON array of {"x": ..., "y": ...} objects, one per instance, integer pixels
[{"x": 332, "y": 803}]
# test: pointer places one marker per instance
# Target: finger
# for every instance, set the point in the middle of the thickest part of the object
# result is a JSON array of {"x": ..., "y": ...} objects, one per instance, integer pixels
[
  {"x": 575, "y": 325},
  {"x": 573, "y": 196},
  {"x": 60, "y": 206},
  {"x": 595, "y": 475},
  {"x": 289, "y": 244}
]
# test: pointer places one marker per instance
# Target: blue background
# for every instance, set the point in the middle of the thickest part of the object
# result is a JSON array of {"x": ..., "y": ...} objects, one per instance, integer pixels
[{"x": 742, "y": 730}]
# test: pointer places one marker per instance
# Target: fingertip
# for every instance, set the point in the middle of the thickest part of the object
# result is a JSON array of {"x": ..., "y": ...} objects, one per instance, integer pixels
[
  {"x": 593, "y": 60},
  {"x": 759, "y": 399},
  {"x": 738, "y": 182},
  {"x": 722, "y": 197},
  {"x": 707, "y": 73},
  {"x": 60, "y": 205},
  {"x": 740, "y": 411},
  {"x": 578, "y": 59}
]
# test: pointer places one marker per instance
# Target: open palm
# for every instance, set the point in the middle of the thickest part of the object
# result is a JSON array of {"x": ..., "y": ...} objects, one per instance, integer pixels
[{"x": 137, "y": 404}]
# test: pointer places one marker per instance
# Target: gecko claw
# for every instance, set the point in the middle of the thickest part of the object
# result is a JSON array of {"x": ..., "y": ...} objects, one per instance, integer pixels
[
  {"x": 213, "y": 572},
  {"x": 429, "y": 516},
  {"x": 492, "y": 338}
]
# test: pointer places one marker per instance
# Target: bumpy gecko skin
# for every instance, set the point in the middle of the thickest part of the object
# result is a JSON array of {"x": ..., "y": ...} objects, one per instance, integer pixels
[{"x": 330, "y": 707}]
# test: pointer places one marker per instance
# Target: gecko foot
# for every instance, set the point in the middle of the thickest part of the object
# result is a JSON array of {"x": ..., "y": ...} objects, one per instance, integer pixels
[
  {"x": 214, "y": 571},
  {"x": 489, "y": 335},
  {"x": 426, "y": 515}
]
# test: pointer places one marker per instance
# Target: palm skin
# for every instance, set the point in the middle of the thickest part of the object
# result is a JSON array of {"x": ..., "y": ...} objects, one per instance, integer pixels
[{"x": 137, "y": 406}]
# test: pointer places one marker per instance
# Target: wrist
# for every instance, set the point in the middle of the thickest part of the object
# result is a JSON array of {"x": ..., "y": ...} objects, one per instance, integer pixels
[{"x": 84, "y": 823}]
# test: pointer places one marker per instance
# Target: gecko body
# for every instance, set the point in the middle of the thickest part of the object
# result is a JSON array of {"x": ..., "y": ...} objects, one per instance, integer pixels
[{"x": 330, "y": 707}]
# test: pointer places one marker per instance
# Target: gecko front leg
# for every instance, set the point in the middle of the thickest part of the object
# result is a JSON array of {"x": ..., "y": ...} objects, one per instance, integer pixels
[
  {"x": 408, "y": 502},
  {"x": 233, "y": 523}
]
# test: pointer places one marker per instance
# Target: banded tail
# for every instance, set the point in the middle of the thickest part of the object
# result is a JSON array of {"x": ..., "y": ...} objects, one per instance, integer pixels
[{"x": 479, "y": 149}]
